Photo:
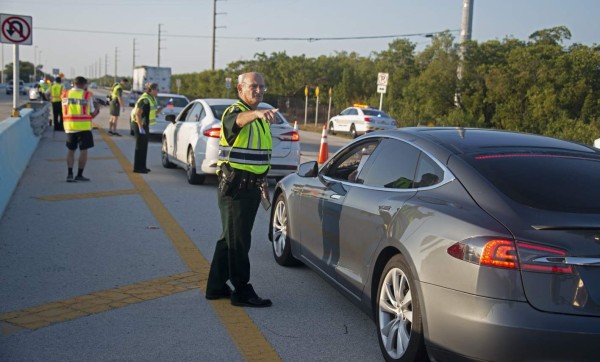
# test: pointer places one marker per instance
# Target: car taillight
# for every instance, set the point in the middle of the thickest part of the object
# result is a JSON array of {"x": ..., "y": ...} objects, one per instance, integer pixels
[
  {"x": 505, "y": 253},
  {"x": 292, "y": 136},
  {"x": 213, "y": 133},
  {"x": 367, "y": 119}
]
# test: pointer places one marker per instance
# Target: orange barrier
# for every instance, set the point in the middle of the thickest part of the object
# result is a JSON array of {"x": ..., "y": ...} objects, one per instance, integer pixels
[{"x": 324, "y": 149}]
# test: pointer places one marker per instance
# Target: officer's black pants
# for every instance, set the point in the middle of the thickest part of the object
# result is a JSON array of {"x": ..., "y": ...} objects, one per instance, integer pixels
[
  {"x": 141, "y": 148},
  {"x": 230, "y": 260},
  {"x": 57, "y": 116}
]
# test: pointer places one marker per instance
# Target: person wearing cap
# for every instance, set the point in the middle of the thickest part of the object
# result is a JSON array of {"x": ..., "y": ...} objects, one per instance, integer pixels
[
  {"x": 116, "y": 106},
  {"x": 54, "y": 94}
]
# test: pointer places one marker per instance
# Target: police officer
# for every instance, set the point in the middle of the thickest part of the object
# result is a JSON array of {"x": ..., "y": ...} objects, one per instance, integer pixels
[
  {"x": 144, "y": 114},
  {"x": 54, "y": 94},
  {"x": 244, "y": 159},
  {"x": 116, "y": 106}
]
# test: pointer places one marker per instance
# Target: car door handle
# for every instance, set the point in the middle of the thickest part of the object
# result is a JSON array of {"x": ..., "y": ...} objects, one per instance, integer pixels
[
  {"x": 335, "y": 196},
  {"x": 385, "y": 208}
]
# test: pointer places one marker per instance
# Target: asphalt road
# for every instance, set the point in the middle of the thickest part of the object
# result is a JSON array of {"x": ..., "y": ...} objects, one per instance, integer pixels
[{"x": 114, "y": 269}]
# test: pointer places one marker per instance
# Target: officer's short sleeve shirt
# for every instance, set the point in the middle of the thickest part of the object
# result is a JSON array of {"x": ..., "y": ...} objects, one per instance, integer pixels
[{"x": 230, "y": 128}]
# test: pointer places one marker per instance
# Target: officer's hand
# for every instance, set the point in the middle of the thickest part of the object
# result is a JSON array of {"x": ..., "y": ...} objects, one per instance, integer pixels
[
  {"x": 142, "y": 130},
  {"x": 123, "y": 109},
  {"x": 269, "y": 114}
]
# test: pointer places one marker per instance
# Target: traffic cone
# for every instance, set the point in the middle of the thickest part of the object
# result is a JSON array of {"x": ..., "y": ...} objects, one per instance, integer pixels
[{"x": 324, "y": 149}]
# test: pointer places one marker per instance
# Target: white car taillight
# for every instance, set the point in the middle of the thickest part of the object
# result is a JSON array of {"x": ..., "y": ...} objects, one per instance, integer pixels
[{"x": 213, "y": 133}]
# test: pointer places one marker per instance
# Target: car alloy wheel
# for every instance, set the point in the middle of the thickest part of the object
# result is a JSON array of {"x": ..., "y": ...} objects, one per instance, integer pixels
[
  {"x": 398, "y": 314},
  {"x": 164, "y": 156},
  {"x": 282, "y": 250},
  {"x": 192, "y": 177}
]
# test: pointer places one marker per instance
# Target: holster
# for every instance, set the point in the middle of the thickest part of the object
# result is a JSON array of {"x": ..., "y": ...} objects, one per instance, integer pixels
[{"x": 226, "y": 178}]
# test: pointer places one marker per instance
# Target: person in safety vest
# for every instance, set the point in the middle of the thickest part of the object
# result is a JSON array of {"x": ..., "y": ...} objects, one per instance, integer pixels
[
  {"x": 244, "y": 160},
  {"x": 144, "y": 114},
  {"x": 54, "y": 93},
  {"x": 45, "y": 86},
  {"x": 78, "y": 111},
  {"x": 116, "y": 106}
]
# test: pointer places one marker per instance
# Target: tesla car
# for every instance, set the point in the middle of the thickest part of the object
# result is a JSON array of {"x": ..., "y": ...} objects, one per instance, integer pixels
[
  {"x": 460, "y": 243},
  {"x": 192, "y": 141},
  {"x": 171, "y": 103}
]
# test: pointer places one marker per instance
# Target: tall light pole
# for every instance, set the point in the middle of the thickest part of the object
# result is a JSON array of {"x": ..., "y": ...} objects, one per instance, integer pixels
[
  {"x": 214, "y": 33},
  {"x": 116, "y": 55},
  {"x": 159, "y": 38},
  {"x": 35, "y": 63},
  {"x": 466, "y": 27}
]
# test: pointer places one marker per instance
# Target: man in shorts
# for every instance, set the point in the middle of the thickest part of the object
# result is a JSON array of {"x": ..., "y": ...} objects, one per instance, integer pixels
[
  {"x": 116, "y": 106},
  {"x": 78, "y": 112}
]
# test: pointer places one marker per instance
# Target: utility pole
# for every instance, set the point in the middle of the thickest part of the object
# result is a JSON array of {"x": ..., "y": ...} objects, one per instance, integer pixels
[
  {"x": 214, "y": 33},
  {"x": 133, "y": 53},
  {"x": 116, "y": 58},
  {"x": 159, "y": 26},
  {"x": 466, "y": 27}
]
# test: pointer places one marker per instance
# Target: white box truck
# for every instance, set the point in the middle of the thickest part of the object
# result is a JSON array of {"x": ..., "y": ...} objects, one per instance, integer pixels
[{"x": 146, "y": 74}]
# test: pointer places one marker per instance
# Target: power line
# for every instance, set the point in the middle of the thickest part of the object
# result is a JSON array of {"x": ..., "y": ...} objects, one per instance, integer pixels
[{"x": 308, "y": 39}]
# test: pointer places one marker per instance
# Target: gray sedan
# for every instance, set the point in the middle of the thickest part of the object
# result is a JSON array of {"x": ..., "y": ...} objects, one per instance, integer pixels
[{"x": 459, "y": 243}]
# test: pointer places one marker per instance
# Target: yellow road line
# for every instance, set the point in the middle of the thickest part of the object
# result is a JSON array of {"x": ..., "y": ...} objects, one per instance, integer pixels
[
  {"x": 250, "y": 341},
  {"x": 87, "y": 195},
  {"x": 61, "y": 311}
]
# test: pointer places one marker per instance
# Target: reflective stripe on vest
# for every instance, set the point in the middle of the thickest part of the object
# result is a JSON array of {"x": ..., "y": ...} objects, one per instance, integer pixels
[
  {"x": 55, "y": 92},
  {"x": 251, "y": 150},
  {"x": 153, "y": 108},
  {"x": 77, "y": 110}
]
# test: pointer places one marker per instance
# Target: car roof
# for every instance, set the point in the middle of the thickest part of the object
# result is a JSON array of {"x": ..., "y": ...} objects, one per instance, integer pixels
[
  {"x": 226, "y": 101},
  {"x": 460, "y": 140},
  {"x": 171, "y": 95}
]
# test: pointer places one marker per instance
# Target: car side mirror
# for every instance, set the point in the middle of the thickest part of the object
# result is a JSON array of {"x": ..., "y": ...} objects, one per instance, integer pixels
[
  {"x": 170, "y": 118},
  {"x": 308, "y": 169}
]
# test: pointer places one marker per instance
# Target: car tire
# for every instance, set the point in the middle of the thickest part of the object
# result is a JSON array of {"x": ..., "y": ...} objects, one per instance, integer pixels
[
  {"x": 282, "y": 250},
  {"x": 164, "y": 155},
  {"x": 190, "y": 170},
  {"x": 331, "y": 129},
  {"x": 353, "y": 133},
  {"x": 398, "y": 314}
]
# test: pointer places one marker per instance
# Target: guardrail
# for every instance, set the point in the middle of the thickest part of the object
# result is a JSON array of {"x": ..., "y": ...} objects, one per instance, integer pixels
[{"x": 19, "y": 137}]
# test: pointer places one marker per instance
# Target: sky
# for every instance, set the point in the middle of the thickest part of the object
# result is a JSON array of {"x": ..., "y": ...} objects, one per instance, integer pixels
[{"x": 81, "y": 37}]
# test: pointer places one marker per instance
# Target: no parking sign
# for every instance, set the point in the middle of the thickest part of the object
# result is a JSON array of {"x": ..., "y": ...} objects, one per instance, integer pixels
[{"x": 15, "y": 29}]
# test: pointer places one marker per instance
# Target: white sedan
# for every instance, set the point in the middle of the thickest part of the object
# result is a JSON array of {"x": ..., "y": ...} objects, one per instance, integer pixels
[
  {"x": 172, "y": 104},
  {"x": 360, "y": 119},
  {"x": 191, "y": 141}
]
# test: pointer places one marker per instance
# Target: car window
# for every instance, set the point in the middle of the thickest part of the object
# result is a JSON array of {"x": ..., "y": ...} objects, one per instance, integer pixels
[
  {"x": 218, "y": 110},
  {"x": 163, "y": 101},
  {"x": 353, "y": 112},
  {"x": 393, "y": 166},
  {"x": 346, "y": 112},
  {"x": 348, "y": 165},
  {"x": 375, "y": 113},
  {"x": 551, "y": 180},
  {"x": 195, "y": 113},
  {"x": 185, "y": 112},
  {"x": 428, "y": 172}
]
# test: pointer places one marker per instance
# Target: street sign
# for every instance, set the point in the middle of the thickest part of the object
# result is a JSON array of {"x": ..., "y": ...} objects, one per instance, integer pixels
[
  {"x": 381, "y": 88},
  {"x": 15, "y": 29},
  {"x": 382, "y": 78}
]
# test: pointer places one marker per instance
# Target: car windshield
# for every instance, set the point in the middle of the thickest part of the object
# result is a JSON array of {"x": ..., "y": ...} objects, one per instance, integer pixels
[
  {"x": 563, "y": 182},
  {"x": 375, "y": 113},
  {"x": 176, "y": 101}
]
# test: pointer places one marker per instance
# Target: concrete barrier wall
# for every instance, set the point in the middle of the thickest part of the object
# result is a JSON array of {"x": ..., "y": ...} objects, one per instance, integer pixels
[{"x": 19, "y": 137}]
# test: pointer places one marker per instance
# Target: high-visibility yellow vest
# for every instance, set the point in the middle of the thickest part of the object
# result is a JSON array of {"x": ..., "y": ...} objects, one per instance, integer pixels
[
  {"x": 55, "y": 92},
  {"x": 77, "y": 115},
  {"x": 115, "y": 91},
  {"x": 251, "y": 150},
  {"x": 153, "y": 108}
]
